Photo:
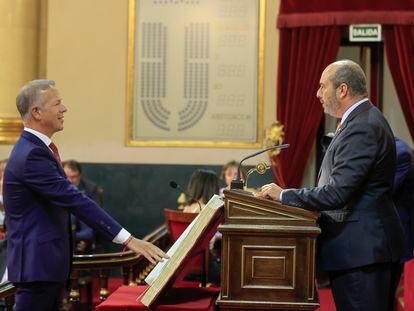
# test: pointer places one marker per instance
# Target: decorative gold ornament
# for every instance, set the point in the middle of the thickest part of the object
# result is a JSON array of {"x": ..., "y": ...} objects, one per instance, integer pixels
[
  {"x": 274, "y": 136},
  {"x": 181, "y": 199},
  {"x": 260, "y": 168}
]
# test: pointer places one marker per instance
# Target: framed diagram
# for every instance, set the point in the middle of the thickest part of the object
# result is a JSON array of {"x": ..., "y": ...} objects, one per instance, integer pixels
[{"x": 195, "y": 73}]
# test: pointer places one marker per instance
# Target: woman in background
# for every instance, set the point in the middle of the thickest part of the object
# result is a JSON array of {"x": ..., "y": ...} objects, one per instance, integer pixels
[
  {"x": 202, "y": 186},
  {"x": 228, "y": 174}
]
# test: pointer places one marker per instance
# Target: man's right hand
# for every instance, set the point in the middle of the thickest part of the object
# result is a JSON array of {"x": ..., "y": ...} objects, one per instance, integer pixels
[
  {"x": 147, "y": 249},
  {"x": 270, "y": 191}
]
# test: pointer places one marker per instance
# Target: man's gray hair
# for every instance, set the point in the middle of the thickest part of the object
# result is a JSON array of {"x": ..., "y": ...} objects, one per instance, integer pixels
[
  {"x": 29, "y": 95},
  {"x": 352, "y": 75}
]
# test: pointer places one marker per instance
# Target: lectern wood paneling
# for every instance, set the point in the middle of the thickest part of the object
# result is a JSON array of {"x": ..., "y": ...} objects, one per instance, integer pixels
[{"x": 268, "y": 255}]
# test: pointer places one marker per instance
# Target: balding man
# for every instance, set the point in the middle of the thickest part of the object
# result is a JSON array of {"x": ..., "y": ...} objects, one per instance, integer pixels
[
  {"x": 38, "y": 200},
  {"x": 361, "y": 233}
]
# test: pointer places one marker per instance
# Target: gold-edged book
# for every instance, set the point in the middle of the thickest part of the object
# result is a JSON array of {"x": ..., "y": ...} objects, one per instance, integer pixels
[{"x": 201, "y": 228}]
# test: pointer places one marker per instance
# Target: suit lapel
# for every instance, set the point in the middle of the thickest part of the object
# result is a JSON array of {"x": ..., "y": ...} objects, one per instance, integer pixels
[
  {"x": 38, "y": 142},
  {"x": 363, "y": 107}
]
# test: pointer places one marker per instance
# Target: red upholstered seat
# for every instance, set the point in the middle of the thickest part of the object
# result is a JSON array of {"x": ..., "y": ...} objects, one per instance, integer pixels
[
  {"x": 178, "y": 298},
  {"x": 176, "y": 222}
]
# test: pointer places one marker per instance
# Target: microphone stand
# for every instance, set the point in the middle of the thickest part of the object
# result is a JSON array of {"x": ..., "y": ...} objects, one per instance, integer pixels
[{"x": 238, "y": 183}]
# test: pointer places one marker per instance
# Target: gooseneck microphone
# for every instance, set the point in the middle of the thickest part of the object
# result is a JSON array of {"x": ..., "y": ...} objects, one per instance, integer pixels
[
  {"x": 174, "y": 185},
  {"x": 238, "y": 183}
]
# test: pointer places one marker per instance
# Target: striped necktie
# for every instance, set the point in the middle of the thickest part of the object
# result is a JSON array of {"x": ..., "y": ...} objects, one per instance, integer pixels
[{"x": 55, "y": 152}]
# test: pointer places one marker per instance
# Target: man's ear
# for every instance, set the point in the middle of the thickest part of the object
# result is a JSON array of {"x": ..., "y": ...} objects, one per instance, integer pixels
[
  {"x": 35, "y": 113},
  {"x": 342, "y": 90}
]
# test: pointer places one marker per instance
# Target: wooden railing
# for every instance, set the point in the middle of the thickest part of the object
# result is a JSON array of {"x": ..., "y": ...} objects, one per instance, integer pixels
[
  {"x": 134, "y": 269},
  {"x": 7, "y": 291}
]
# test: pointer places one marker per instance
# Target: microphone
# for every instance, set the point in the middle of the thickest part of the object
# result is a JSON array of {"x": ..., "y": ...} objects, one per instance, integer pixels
[
  {"x": 238, "y": 183},
  {"x": 174, "y": 185}
]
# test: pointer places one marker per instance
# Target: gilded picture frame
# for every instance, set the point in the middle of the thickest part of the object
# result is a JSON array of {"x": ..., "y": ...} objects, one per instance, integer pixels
[
  {"x": 195, "y": 73},
  {"x": 10, "y": 130}
]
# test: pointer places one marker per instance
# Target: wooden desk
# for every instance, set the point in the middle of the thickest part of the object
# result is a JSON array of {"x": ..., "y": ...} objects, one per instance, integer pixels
[{"x": 268, "y": 255}]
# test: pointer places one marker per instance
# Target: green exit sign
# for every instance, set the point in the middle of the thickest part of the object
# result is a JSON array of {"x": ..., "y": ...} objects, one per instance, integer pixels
[{"x": 365, "y": 33}]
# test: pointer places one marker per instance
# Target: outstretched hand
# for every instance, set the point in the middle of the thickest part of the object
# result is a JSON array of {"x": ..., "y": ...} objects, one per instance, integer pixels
[
  {"x": 270, "y": 191},
  {"x": 147, "y": 249}
]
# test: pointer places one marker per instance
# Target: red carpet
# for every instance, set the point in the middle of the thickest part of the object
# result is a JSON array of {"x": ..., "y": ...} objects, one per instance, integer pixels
[
  {"x": 326, "y": 300},
  {"x": 192, "y": 298},
  {"x": 325, "y": 294},
  {"x": 404, "y": 301}
]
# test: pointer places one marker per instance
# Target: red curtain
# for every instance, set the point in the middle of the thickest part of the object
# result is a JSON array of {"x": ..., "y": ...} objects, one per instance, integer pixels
[
  {"x": 303, "y": 54},
  {"x": 309, "y": 41},
  {"x": 399, "y": 46},
  {"x": 299, "y": 13}
]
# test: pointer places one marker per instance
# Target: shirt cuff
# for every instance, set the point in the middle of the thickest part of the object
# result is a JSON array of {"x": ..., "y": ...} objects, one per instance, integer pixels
[{"x": 121, "y": 237}]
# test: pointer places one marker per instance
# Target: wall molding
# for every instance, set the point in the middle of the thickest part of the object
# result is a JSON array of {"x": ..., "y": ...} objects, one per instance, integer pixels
[{"x": 10, "y": 129}]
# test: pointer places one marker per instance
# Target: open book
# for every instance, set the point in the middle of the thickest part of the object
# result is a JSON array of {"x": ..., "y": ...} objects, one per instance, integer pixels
[{"x": 199, "y": 229}]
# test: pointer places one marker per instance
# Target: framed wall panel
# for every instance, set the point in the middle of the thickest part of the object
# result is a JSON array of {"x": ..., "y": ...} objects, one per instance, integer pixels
[{"x": 195, "y": 73}]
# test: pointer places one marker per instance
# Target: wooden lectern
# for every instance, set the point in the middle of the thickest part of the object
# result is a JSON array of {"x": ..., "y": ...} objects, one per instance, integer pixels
[{"x": 268, "y": 255}]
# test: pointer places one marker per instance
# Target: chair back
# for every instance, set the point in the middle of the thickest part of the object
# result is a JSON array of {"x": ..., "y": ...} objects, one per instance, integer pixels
[{"x": 177, "y": 221}]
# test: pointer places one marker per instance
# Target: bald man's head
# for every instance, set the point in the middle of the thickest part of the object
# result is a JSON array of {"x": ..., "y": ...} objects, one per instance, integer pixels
[{"x": 350, "y": 73}]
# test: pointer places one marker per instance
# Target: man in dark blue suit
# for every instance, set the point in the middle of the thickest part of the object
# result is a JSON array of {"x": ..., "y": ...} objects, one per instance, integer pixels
[
  {"x": 361, "y": 233},
  {"x": 403, "y": 195},
  {"x": 38, "y": 200}
]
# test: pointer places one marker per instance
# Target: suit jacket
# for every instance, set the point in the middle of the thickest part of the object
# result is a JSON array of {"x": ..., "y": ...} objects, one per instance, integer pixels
[
  {"x": 359, "y": 222},
  {"x": 403, "y": 195},
  {"x": 38, "y": 200},
  {"x": 403, "y": 162},
  {"x": 83, "y": 231}
]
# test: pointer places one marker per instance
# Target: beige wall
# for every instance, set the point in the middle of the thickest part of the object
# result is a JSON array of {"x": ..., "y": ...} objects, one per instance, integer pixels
[
  {"x": 87, "y": 57},
  {"x": 19, "y": 47}
]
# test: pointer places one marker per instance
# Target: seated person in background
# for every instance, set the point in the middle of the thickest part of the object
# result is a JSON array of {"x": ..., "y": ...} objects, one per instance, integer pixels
[
  {"x": 85, "y": 237},
  {"x": 403, "y": 197},
  {"x": 3, "y": 239},
  {"x": 202, "y": 186},
  {"x": 403, "y": 194},
  {"x": 73, "y": 171},
  {"x": 228, "y": 174},
  {"x": 2, "y": 214}
]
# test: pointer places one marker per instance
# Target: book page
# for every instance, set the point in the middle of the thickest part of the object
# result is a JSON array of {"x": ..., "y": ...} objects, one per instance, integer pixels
[
  {"x": 164, "y": 270},
  {"x": 158, "y": 268}
]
